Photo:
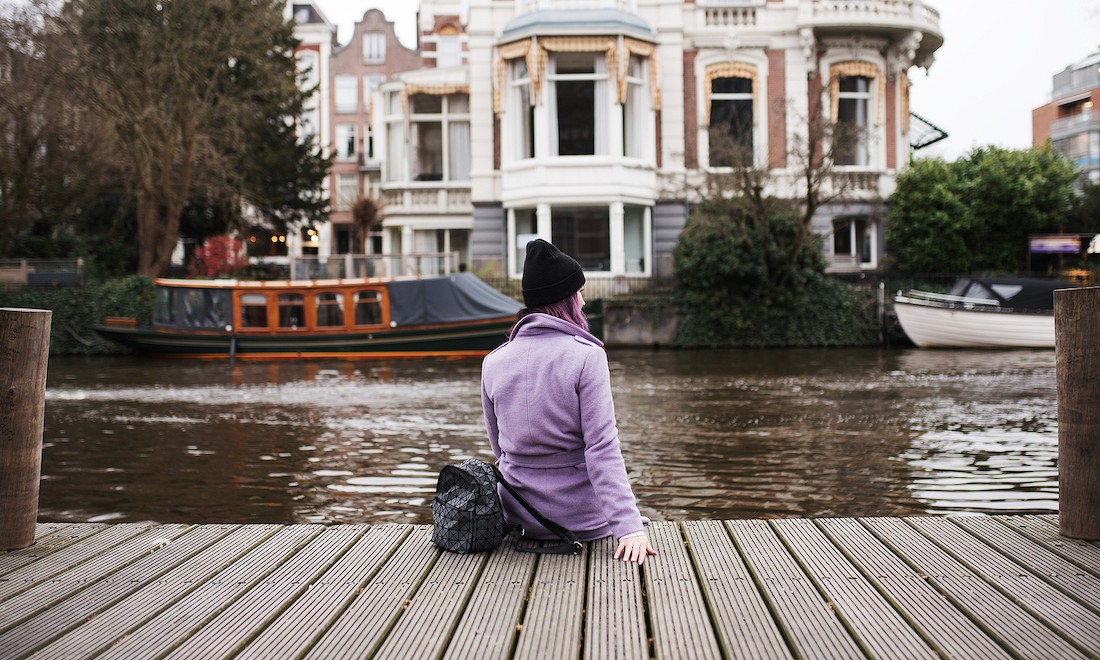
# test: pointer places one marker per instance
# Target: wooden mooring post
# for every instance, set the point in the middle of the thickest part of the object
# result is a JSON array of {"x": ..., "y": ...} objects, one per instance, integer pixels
[
  {"x": 1077, "y": 342},
  {"x": 24, "y": 350}
]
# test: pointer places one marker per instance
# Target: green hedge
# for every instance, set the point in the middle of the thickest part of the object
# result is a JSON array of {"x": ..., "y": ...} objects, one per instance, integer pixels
[
  {"x": 831, "y": 313},
  {"x": 77, "y": 309}
]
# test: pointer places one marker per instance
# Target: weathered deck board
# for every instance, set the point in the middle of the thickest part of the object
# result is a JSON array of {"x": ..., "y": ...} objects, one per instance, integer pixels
[
  {"x": 744, "y": 625},
  {"x": 553, "y": 621},
  {"x": 615, "y": 626},
  {"x": 877, "y": 627},
  {"x": 948, "y": 629},
  {"x": 489, "y": 626},
  {"x": 998, "y": 614},
  {"x": 981, "y": 587},
  {"x": 808, "y": 621},
  {"x": 1044, "y": 601}
]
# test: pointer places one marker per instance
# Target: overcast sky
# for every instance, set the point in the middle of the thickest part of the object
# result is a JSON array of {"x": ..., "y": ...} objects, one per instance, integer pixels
[{"x": 995, "y": 66}]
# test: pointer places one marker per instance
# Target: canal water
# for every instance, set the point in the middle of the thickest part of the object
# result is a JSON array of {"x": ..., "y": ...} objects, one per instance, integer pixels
[{"x": 705, "y": 434}]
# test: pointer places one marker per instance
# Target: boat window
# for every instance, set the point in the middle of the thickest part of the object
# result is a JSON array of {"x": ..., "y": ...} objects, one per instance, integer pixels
[
  {"x": 368, "y": 307},
  {"x": 164, "y": 311},
  {"x": 1006, "y": 291},
  {"x": 292, "y": 310},
  {"x": 976, "y": 290},
  {"x": 253, "y": 310},
  {"x": 330, "y": 310},
  {"x": 205, "y": 308}
]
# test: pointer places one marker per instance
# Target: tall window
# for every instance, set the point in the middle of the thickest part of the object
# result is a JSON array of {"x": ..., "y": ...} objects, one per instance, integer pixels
[
  {"x": 523, "y": 113},
  {"x": 583, "y": 233},
  {"x": 374, "y": 48},
  {"x": 307, "y": 68},
  {"x": 635, "y": 110},
  {"x": 347, "y": 93},
  {"x": 347, "y": 191},
  {"x": 634, "y": 238},
  {"x": 853, "y": 122},
  {"x": 395, "y": 139},
  {"x": 439, "y": 137},
  {"x": 579, "y": 84},
  {"x": 448, "y": 51},
  {"x": 526, "y": 230},
  {"x": 345, "y": 141},
  {"x": 731, "y": 122}
]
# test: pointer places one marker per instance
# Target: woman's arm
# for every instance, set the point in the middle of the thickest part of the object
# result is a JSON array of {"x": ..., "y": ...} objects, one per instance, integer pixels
[
  {"x": 490, "y": 419},
  {"x": 603, "y": 458}
]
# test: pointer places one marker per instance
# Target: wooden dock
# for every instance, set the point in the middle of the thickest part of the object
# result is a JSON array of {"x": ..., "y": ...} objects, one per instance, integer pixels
[{"x": 960, "y": 587}]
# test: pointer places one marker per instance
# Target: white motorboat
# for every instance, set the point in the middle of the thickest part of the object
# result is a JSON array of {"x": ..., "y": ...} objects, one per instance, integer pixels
[{"x": 982, "y": 312}]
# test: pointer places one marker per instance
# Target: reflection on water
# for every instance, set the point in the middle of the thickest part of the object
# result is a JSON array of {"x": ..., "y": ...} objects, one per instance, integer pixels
[{"x": 706, "y": 434}]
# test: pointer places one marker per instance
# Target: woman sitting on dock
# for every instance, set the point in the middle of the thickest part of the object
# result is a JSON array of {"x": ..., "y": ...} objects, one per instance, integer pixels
[{"x": 550, "y": 416}]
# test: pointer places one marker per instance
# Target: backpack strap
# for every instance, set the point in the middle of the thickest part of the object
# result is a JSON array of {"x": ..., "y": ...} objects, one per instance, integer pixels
[{"x": 570, "y": 545}]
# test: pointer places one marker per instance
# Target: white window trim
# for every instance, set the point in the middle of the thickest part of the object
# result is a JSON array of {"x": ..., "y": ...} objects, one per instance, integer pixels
[
  {"x": 446, "y": 118},
  {"x": 760, "y": 147}
]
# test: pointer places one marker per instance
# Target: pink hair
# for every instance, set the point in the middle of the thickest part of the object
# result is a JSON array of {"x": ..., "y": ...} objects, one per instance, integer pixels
[{"x": 567, "y": 309}]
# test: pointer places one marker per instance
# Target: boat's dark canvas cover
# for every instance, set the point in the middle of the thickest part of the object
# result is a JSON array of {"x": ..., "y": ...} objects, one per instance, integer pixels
[
  {"x": 449, "y": 299},
  {"x": 1012, "y": 292}
]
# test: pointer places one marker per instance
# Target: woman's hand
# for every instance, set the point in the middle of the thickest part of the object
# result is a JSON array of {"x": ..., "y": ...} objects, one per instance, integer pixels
[{"x": 635, "y": 548}]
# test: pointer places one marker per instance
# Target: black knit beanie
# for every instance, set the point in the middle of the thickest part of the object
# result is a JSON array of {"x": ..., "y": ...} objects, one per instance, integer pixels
[{"x": 549, "y": 275}]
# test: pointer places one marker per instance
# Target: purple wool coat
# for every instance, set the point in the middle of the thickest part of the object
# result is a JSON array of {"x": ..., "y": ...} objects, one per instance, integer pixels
[{"x": 551, "y": 422}]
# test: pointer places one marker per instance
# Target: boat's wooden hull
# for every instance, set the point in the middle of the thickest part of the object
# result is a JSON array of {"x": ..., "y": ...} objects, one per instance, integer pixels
[
  {"x": 460, "y": 340},
  {"x": 930, "y": 326}
]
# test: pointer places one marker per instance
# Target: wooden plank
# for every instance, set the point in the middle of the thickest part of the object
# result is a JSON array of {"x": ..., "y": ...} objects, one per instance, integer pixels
[
  {"x": 62, "y": 537},
  {"x": 873, "y": 620},
  {"x": 949, "y": 630},
  {"x": 363, "y": 626},
  {"x": 308, "y": 617},
  {"x": 1017, "y": 582},
  {"x": 1064, "y": 575},
  {"x": 237, "y": 624},
  {"x": 488, "y": 628},
  {"x": 179, "y": 621},
  {"x": 1081, "y": 553},
  {"x": 742, "y": 620},
  {"x": 554, "y": 618},
  {"x": 1008, "y": 623},
  {"x": 98, "y": 633},
  {"x": 680, "y": 622},
  {"x": 615, "y": 626},
  {"x": 101, "y": 594},
  {"x": 808, "y": 622},
  {"x": 27, "y": 576},
  {"x": 62, "y": 585},
  {"x": 45, "y": 529},
  {"x": 424, "y": 628}
]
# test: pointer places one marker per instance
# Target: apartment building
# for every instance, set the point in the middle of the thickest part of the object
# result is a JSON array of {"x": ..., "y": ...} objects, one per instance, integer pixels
[
  {"x": 590, "y": 122},
  {"x": 1071, "y": 121}
]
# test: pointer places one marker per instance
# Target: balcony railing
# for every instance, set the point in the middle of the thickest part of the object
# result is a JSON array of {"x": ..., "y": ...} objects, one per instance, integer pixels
[
  {"x": 423, "y": 199},
  {"x": 1074, "y": 124},
  {"x": 339, "y": 266},
  {"x": 729, "y": 16},
  {"x": 912, "y": 14},
  {"x": 528, "y": 6}
]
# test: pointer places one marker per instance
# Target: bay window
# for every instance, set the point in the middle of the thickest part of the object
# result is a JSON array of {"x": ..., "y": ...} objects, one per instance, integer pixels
[
  {"x": 439, "y": 137},
  {"x": 583, "y": 233},
  {"x": 635, "y": 110},
  {"x": 523, "y": 111},
  {"x": 579, "y": 108}
]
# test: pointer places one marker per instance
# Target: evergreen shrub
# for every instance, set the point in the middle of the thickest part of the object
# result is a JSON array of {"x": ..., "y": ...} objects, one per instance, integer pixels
[
  {"x": 77, "y": 309},
  {"x": 742, "y": 283}
]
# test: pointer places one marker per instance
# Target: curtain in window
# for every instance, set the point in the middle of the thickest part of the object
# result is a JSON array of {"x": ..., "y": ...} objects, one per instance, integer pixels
[
  {"x": 458, "y": 152},
  {"x": 602, "y": 118},
  {"x": 864, "y": 69}
]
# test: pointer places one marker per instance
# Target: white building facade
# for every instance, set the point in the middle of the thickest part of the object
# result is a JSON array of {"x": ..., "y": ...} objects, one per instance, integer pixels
[{"x": 588, "y": 122}]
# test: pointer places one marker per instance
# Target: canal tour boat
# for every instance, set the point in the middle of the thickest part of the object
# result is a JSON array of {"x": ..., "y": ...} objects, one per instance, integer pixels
[
  {"x": 445, "y": 316},
  {"x": 982, "y": 312}
]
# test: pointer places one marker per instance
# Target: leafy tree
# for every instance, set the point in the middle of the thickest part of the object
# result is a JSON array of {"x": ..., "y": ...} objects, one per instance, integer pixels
[
  {"x": 200, "y": 95},
  {"x": 976, "y": 213},
  {"x": 219, "y": 256},
  {"x": 1084, "y": 216}
]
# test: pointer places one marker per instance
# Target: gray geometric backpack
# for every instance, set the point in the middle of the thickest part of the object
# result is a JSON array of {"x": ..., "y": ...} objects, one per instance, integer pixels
[{"x": 469, "y": 517}]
